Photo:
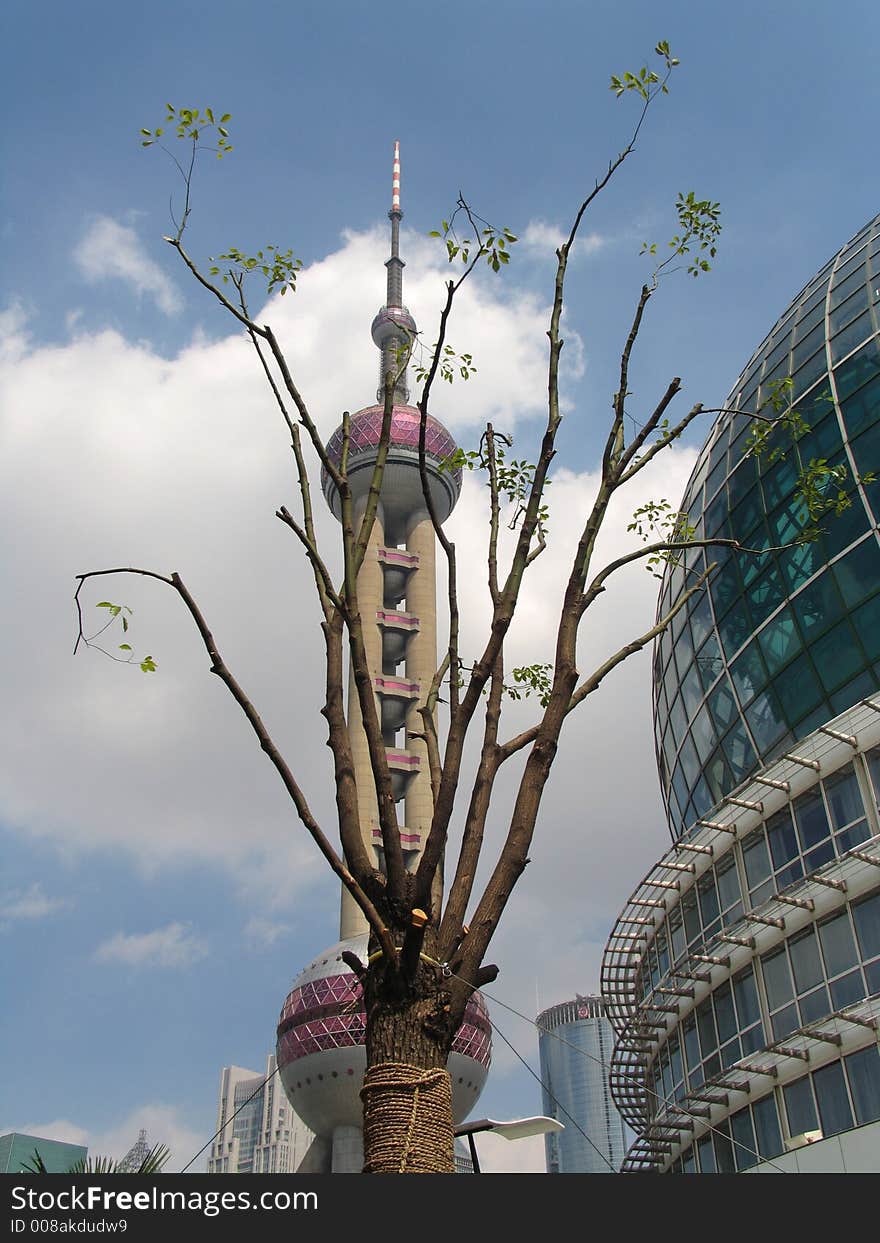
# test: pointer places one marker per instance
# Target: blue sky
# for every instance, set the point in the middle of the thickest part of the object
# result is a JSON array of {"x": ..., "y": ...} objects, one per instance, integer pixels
[{"x": 155, "y": 902}]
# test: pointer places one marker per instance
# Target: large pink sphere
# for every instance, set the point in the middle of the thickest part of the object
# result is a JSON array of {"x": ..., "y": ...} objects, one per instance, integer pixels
[
  {"x": 321, "y": 1052},
  {"x": 402, "y": 492}
]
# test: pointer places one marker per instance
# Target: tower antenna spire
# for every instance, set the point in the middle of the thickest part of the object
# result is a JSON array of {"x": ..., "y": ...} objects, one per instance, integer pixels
[{"x": 394, "y": 329}]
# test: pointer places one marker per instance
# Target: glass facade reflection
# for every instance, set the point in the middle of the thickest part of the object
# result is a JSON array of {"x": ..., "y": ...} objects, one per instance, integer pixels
[
  {"x": 743, "y": 976},
  {"x": 780, "y": 641}
]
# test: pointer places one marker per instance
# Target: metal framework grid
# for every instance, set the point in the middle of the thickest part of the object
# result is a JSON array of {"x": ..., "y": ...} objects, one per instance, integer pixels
[{"x": 643, "y": 1026}]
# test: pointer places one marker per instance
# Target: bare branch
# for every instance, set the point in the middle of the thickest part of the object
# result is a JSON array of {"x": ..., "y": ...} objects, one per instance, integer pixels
[
  {"x": 632, "y": 464},
  {"x": 515, "y": 744},
  {"x": 326, "y": 590},
  {"x": 219, "y": 667},
  {"x": 475, "y": 822},
  {"x": 614, "y": 447},
  {"x": 427, "y": 711}
]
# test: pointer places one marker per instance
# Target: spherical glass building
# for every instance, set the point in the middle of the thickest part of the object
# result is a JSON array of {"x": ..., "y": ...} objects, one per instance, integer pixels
[
  {"x": 743, "y": 975},
  {"x": 778, "y": 643}
]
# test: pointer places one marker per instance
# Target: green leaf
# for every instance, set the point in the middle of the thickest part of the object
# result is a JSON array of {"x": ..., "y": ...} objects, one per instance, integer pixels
[
  {"x": 105, "y": 604},
  {"x": 125, "y": 647},
  {"x": 148, "y": 665}
]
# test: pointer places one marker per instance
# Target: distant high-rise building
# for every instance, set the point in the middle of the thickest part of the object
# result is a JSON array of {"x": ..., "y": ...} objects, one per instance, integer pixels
[
  {"x": 743, "y": 975},
  {"x": 575, "y": 1042},
  {"x": 264, "y": 1136},
  {"x": 17, "y": 1150}
]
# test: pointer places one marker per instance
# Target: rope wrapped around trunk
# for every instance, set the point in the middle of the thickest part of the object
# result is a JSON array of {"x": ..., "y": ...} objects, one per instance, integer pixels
[{"x": 407, "y": 1120}]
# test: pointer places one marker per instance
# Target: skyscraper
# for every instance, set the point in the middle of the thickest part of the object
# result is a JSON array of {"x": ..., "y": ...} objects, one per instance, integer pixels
[
  {"x": 265, "y": 1136},
  {"x": 743, "y": 976},
  {"x": 320, "y": 1047},
  {"x": 575, "y": 1042}
]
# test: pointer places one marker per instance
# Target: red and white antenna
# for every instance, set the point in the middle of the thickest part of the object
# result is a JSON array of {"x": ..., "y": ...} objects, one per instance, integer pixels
[{"x": 395, "y": 180}]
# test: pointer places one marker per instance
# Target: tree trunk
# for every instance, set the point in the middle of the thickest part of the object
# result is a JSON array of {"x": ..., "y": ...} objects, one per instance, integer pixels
[{"x": 407, "y": 1093}]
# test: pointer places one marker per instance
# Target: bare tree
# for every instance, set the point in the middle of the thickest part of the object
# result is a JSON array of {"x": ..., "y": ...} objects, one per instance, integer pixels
[{"x": 427, "y": 956}]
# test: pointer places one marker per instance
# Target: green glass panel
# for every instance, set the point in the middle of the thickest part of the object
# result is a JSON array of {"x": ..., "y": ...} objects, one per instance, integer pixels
[
  {"x": 709, "y": 661},
  {"x": 837, "y": 655},
  {"x": 747, "y": 516},
  {"x": 847, "y": 311},
  {"x": 858, "y": 573},
  {"x": 860, "y": 687},
  {"x": 866, "y": 451},
  {"x": 766, "y": 720},
  {"x": 765, "y": 595},
  {"x": 822, "y": 440},
  {"x": 809, "y": 343},
  {"x": 863, "y": 408},
  {"x": 798, "y": 563},
  {"x": 691, "y": 691},
  {"x": 740, "y": 752},
  {"x": 809, "y": 319},
  {"x": 798, "y": 689},
  {"x": 818, "y": 605},
  {"x": 809, "y": 373},
  {"x": 722, "y": 705},
  {"x": 716, "y": 515},
  {"x": 743, "y": 481},
  {"x": 702, "y": 799},
  {"x": 701, "y": 618},
  {"x": 841, "y": 530},
  {"x": 749, "y": 673},
  {"x": 788, "y": 520},
  {"x": 716, "y": 474},
  {"x": 867, "y": 623},
  {"x": 851, "y": 336},
  {"x": 718, "y": 776},
  {"x": 738, "y": 449},
  {"x": 857, "y": 370},
  {"x": 705, "y": 738},
  {"x": 690, "y": 763},
  {"x": 751, "y": 563},
  {"x": 779, "y": 641},
  {"x": 734, "y": 629},
  {"x": 678, "y": 719},
  {"x": 842, "y": 289}
]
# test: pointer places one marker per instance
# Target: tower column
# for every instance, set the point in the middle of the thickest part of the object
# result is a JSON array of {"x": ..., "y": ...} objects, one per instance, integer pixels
[
  {"x": 421, "y": 665},
  {"x": 370, "y": 591}
]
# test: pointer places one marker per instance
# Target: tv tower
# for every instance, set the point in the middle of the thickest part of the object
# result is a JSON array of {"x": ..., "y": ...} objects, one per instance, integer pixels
[{"x": 320, "y": 1049}]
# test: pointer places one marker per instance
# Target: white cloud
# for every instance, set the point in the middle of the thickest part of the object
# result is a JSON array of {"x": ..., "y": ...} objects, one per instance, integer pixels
[
  {"x": 541, "y": 239},
  {"x": 30, "y": 903},
  {"x": 110, "y": 250},
  {"x": 113, "y": 455},
  {"x": 13, "y": 338},
  {"x": 163, "y": 1124},
  {"x": 265, "y": 932},
  {"x": 172, "y": 946}
]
